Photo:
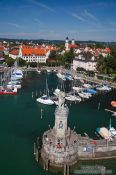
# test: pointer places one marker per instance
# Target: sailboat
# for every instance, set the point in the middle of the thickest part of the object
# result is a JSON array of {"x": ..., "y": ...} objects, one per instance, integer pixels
[
  {"x": 13, "y": 83},
  {"x": 45, "y": 99},
  {"x": 17, "y": 73},
  {"x": 5, "y": 91},
  {"x": 73, "y": 98}
]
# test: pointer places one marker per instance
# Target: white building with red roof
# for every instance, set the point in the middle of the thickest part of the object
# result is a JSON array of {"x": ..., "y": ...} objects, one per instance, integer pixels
[{"x": 38, "y": 53}]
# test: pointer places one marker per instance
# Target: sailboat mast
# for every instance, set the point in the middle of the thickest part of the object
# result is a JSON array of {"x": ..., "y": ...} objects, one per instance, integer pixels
[{"x": 110, "y": 125}]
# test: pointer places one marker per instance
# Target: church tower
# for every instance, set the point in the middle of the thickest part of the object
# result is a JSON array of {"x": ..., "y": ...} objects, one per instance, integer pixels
[
  {"x": 73, "y": 42},
  {"x": 20, "y": 52},
  {"x": 67, "y": 44}
]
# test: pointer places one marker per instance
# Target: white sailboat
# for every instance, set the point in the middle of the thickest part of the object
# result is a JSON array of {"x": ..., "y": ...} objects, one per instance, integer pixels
[
  {"x": 103, "y": 87},
  {"x": 73, "y": 98},
  {"x": 45, "y": 99},
  {"x": 84, "y": 95}
]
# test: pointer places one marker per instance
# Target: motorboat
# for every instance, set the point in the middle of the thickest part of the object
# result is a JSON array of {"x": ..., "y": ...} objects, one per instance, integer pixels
[
  {"x": 38, "y": 71},
  {"x": 84, "y": 95},
  {"x": 87, "y": 85},
  {"x": 103, "y": 88},
  {"x": 48, "y": 70},
  {"x": 113, "y": 103},
  {"x": 61, "y": 76},
  {"x": 4, "y": 91},
  {"x": 45, "y": 100},
  {"x": 91, "y": 91},
  {"x": 77, "y": 88},
  {"x": 104, "y": 133},
  {"x": 17, "y": 73},
  {"x": 68, "y": 77},
  {"x": 73, "y": 98},
  {"x": 12, "y": 84}
]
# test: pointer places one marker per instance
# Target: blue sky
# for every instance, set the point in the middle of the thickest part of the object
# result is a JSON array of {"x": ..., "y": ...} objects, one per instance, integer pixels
[{"x": 56, "y": 19}]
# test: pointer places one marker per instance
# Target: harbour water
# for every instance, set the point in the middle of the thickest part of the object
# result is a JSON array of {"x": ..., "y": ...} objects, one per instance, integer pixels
[{"x": 21, "y": 123}]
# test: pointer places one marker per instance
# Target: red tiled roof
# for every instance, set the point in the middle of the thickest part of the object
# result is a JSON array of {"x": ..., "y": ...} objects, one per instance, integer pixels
[
  {"x": 2, "y": 48},
  {"x": 14, "y": 52},
  {"x": 73, "y": 46},
  {"x": 107, "y": 49},
  {"x": 32, "y": 51}
]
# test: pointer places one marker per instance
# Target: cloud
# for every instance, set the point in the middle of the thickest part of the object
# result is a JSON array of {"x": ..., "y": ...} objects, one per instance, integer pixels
[
  {"x": 44, "y": 6},
  {"x": 89, "y": 15},
  {"x": 99, "y": 30},
  {"x": 14, "y": 25},
  {"x": 78, "y": 17}
]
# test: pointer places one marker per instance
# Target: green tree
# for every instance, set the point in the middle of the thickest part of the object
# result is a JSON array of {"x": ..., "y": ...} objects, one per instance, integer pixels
[
  {"x": 53, "y": 55},
  {"x": 69, "y": 56},
  {"x": 21, "y": 62},
  {"x": 10, "y": 62}
]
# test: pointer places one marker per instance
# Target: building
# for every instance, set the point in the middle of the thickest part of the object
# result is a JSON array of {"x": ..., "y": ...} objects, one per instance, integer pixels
[
  {"x": 85, "y": 60},
  {"x": 69, "y": 45},
  {"x": 39, "y": 53},
  {"x": 86, "y": 57}
]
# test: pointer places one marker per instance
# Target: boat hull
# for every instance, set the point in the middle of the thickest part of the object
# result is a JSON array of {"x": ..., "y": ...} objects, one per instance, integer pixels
[{"x": 8, "y": 93}]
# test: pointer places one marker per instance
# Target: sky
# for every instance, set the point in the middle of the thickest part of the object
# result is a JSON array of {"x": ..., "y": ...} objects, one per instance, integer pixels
[{"x": 56, "y": 19}]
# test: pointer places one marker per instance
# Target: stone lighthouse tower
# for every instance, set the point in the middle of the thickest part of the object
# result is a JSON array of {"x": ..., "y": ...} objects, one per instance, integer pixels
[{"x": 59, "y": 145}]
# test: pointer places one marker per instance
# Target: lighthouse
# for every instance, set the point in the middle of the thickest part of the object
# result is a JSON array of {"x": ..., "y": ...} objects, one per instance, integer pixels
[{"x": 59, "y": 144}]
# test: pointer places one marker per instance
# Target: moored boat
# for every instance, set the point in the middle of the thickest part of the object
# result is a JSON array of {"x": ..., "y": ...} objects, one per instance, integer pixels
[
  {"x": 113, "y": 103},
  {"x": 45, "y": 100},
  {"x": 73, "y": 98},
  {"x": 8, "y": 91},
  {"x": 104, "y": 133}
]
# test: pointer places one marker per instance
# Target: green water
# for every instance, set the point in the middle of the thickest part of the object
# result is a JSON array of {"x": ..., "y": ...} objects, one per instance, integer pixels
[{"x": 21, "y": 123}]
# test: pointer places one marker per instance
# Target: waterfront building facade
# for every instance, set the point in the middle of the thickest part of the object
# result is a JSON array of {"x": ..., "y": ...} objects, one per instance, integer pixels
[
  {"x": 32, "y": 53},
  {"x": 85, "y": 60}
]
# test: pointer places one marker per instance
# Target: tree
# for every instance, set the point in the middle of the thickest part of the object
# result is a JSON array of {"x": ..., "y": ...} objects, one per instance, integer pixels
[
  {"x": 69, "y": 56},
  {"x": 53, "y": 55},
  {"x": 107, "y": 65},
  {"x": 21, "y": 62},
  {"x": 10, "y": 62}
]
